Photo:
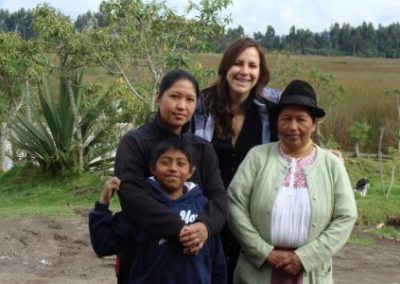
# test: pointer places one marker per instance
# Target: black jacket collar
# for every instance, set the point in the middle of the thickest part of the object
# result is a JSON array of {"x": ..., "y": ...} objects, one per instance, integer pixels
[{"x": 166, "y": 131}]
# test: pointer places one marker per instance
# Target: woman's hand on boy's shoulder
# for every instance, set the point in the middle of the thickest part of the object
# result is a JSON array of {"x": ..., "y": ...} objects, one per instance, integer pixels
[{"x": 337, "y": 153}]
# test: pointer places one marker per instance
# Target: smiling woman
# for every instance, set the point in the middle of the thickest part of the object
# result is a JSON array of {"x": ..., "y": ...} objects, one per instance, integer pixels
[
  {"x": 237, "y": 113},
  {"x": 243, "y": 75}
]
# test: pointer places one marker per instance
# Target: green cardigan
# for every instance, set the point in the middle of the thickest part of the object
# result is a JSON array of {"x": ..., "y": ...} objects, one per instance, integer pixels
[{"x": 251, "y": 197}]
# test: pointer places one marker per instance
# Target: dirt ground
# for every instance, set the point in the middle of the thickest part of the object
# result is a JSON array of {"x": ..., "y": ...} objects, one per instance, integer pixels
[{"x": 42, "y": 250}]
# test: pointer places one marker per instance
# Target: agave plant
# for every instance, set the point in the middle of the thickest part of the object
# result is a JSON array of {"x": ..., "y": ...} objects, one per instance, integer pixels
[{"x": 52, "y": 139}]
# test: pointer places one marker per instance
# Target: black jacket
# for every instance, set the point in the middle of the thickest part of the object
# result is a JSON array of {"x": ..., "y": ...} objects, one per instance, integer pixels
[{"x": 140, "y": 204}]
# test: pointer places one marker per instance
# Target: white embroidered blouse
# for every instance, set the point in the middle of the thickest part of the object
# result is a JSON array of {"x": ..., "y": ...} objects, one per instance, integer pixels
[{"x": 291, "y": 213}]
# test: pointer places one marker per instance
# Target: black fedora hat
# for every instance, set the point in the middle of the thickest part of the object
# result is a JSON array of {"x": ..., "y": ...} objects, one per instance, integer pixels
[{"x": 301, "y": 93}]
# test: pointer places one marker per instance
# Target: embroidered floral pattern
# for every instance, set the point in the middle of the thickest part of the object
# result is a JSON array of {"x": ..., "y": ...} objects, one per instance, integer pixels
[{"x": 297, "y": 165}]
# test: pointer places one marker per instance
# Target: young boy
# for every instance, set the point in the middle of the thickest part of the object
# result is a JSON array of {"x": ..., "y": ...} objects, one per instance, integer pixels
[
  {"x": 157, "y": 260},
  {"x": 110, "y": 234}
]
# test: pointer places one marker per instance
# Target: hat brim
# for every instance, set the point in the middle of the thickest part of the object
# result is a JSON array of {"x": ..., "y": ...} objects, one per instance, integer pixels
[{"x": 315, "y": 111}]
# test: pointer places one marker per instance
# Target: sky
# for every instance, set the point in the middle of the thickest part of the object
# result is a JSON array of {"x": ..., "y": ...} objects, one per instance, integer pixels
[{"x": 256, "y": 15}]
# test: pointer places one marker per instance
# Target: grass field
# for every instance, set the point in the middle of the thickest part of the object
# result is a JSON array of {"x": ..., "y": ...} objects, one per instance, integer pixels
[{"x": 27, "y": 191}]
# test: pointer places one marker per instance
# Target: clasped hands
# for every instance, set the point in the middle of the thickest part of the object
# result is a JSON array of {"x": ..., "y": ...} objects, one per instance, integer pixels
[
  {"x": 192, "y": 237},
  {"x": 287, "y": 261}
]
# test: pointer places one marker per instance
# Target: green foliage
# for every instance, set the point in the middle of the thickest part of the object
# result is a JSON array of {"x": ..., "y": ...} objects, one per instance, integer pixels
[
  {"x": 221, "y": 42},
  {"x": 150, "y": 38},
  {"x": 52, "y": 143},
  {"x": 90, "y": 21},
  {"x": 15, "y": 69},
  {"x": 340, "y": 40},
  {"x": 17, "y": 22},
  {"x": 57, "y": 35},
  {"x": 331, "y": 143},
  {"x": 359, "y": 131}
]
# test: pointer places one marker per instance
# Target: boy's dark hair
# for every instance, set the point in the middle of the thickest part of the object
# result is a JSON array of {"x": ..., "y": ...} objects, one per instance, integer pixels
[{"x": 173, "y": 143}]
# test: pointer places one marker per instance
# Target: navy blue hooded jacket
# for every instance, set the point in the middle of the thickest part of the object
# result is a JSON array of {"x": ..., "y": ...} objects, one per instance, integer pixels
[{"x": 158, "y": 260}]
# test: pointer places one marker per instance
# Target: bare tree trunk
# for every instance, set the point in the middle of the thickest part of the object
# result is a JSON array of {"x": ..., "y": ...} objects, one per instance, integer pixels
[
  {"x": 5, "y": 131},
  {"x": 3, "y": 135},
  {"x": 382, "y": 130},
  {"x": 77, "y": 120},
  {"x": 398, "y": 116},
  {"x": 391, "y": 181},
  {"x": 126, "y": 79},
  {"x": 28, "y": 101},
  {"x": 357, "y": 149},
  {"x": 156, "y": 79}
]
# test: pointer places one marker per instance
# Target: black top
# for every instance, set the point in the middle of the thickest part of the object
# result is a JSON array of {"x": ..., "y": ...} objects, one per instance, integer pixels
[
  {"x": 231, "y": 156},
  {"x": 140, "y": 204}
]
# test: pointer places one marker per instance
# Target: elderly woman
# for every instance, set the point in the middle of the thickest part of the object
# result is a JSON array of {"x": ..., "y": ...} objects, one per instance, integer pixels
[{"x": 291, "y": 204}]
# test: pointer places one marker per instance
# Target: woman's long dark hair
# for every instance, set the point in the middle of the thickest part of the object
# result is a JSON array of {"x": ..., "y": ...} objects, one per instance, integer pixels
[{"x": 218, "y": 100}]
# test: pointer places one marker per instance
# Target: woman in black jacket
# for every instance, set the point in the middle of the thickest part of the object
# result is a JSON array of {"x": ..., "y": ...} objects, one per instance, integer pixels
[{"x": 176, "y": 102}]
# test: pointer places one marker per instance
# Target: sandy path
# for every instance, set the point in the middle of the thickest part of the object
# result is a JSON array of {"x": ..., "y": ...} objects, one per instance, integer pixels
[{"x": 42, "y": 250}]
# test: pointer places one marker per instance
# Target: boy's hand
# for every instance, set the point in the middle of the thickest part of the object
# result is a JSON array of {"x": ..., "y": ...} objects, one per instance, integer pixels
[{"x": 111, "y": 185}]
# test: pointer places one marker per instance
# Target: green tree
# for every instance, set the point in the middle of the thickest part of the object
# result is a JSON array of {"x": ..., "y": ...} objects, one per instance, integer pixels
[
  {"x": 269, "y": 39},
  {"x": 355, "y": 39},
  {"x": 368, "y": 46},
  {"x": 335, "y": 36},
  {"x": 304, "y": 41},
  {"x": 62, "y": 49},
  {"x": 358, "y": 133},
  {"x": 18, "y": 22},
  {"x": 90, "y": 20},
  {"x": 221, "y": 41},
  {"x": 140, "y": 42},
  {"x": 58, "y": 49},
  {"x": 322, "y": 43},
  {"x": 16, "y": 73},
  {"x": 345, "y": 39},
  {"x": 290, "y": 40},
  {"x": 149, "y": 38}
]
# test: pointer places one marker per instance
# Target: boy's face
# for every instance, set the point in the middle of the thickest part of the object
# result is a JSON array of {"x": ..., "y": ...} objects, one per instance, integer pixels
[{"x": 172, "y": 170}]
